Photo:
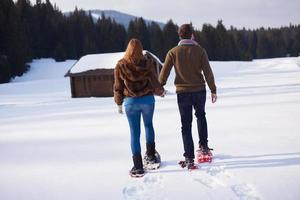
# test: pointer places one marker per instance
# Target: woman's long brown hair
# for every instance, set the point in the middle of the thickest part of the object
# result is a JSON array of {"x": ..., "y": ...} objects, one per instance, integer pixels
[{"x": 134, "y": 51}]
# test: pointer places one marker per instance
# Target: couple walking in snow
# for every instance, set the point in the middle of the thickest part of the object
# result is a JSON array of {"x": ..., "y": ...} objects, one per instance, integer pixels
[{"x": 136, "y": 83}]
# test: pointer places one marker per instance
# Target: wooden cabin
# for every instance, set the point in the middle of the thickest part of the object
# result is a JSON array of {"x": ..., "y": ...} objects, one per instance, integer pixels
[{"x": 93, "y": 75}]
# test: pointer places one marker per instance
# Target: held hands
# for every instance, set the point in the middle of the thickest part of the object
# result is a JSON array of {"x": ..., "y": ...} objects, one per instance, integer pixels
[
  {"x": 120, "y": 109},
  {"x": 214, "y": 97},
  {"x": 163, "y": 94}
]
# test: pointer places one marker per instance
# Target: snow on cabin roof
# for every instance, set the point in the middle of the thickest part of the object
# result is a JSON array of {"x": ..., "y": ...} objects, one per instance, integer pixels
[
  {"x": 101, "y": 61},
  {"x": 97, "y": 61}
]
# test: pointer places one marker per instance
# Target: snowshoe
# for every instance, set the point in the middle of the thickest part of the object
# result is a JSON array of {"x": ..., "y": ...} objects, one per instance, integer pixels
[
  {"x": 152, "y": 162},
  {"x": 188, "y": 163},
  {"x": 136, "y": 173},
  {"x": 137, "y": 169},
  {"x": 204, "y": 154}
]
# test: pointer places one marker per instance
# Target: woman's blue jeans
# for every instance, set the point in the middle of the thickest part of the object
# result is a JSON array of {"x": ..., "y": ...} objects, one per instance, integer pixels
[{"x": 134, "y": 113}]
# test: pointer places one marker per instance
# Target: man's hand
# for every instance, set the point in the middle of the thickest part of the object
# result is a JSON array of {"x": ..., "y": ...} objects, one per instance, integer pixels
[
  {"x": 120, "y": 109},
  {"x": 214, "y": 97}
]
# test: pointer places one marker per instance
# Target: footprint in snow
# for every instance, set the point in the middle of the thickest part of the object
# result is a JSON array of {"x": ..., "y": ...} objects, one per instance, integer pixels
[
  {"x": 245, "y": 192},
  {"x": 216, "y": 170},
  {"x": 150, "y": 187},
  {"x": 217, "y": 175},
  {"x": 210, "y": 182},
  {"x": 214, "y": 176}
]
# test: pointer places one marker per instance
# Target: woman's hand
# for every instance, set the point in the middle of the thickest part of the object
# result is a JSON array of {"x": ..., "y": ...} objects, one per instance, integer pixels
[
  {"x": 120, "y": 109},
  {"x": 163, "y": 94}
]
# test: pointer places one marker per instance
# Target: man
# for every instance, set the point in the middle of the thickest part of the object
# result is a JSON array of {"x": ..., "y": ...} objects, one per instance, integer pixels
[{"x": 191, "y": 63}]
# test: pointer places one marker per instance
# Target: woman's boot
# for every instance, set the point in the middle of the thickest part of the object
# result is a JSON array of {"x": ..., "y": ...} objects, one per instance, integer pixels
[{"x": 137, "y": 169}]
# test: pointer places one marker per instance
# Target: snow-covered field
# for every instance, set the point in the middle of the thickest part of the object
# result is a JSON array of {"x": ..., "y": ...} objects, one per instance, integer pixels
[{"x": 53, "y": 147}]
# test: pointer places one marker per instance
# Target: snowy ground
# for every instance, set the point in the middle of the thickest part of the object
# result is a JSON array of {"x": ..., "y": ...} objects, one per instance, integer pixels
[{"x": 53, "y": 147}]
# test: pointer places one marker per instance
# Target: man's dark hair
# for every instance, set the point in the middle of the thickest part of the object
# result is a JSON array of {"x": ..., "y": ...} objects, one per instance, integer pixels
[{"x": 185, "y": 31}]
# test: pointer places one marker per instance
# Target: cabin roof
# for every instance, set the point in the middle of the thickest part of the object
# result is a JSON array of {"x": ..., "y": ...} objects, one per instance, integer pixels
[{"x": 96, "y": 62}]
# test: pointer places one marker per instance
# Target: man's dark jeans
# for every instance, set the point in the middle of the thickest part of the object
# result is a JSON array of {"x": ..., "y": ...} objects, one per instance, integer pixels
[{"x": 186, "y": 103}]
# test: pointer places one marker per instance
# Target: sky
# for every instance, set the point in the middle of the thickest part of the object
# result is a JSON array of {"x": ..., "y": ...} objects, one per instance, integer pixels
[{"x": 238, "y": 13}]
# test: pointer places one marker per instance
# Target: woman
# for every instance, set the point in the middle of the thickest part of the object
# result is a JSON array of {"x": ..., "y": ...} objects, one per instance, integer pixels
[{"x": 135, "y": 84}]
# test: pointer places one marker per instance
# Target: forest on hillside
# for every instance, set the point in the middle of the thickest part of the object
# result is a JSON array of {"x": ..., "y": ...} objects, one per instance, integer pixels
[{"x": 29, "y": 31}]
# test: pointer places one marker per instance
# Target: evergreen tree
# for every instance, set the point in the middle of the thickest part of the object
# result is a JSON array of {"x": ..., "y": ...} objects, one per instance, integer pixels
[
  {"x": 103, "y": 30},
  {"x": 224, "y": 47},
  {"x": 241, "y": 38},
  {"x": 5, "y": 73},
  {"x": 132, "y": 32},
  {"x": 263, "y": 44},
  {"x": 59, "y": 53},
  {"x": 156, "y": 40},
  {"x": 119, "y": 36},
  {"x": 138, "y": 29},
  {"x": 170, "y": 35},
  {"x": 89, "y": 46},
  {"x": 207, "y": 39},
  {"x": 6, "y": 8},
  {"x": 253, "y": 47},
  {"x": 110, "y": 36},
  {"x": 25, "y": 13},
  {"x": 14, "y": 47},
  {"x": 295, "y": 44}
]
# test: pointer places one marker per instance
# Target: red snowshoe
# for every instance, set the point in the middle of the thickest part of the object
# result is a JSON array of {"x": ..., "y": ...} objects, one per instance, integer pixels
[{"x": 204, "y": 154}]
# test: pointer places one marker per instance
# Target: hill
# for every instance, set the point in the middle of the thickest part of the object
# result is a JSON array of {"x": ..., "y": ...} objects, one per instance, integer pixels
[{"x": 119, "y": 17}]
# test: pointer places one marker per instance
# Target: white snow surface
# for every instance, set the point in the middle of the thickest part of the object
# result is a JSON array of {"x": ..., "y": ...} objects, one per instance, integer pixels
[
  {"x": 100, "y": 61},
  {"x": 53, "y": 147}
]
